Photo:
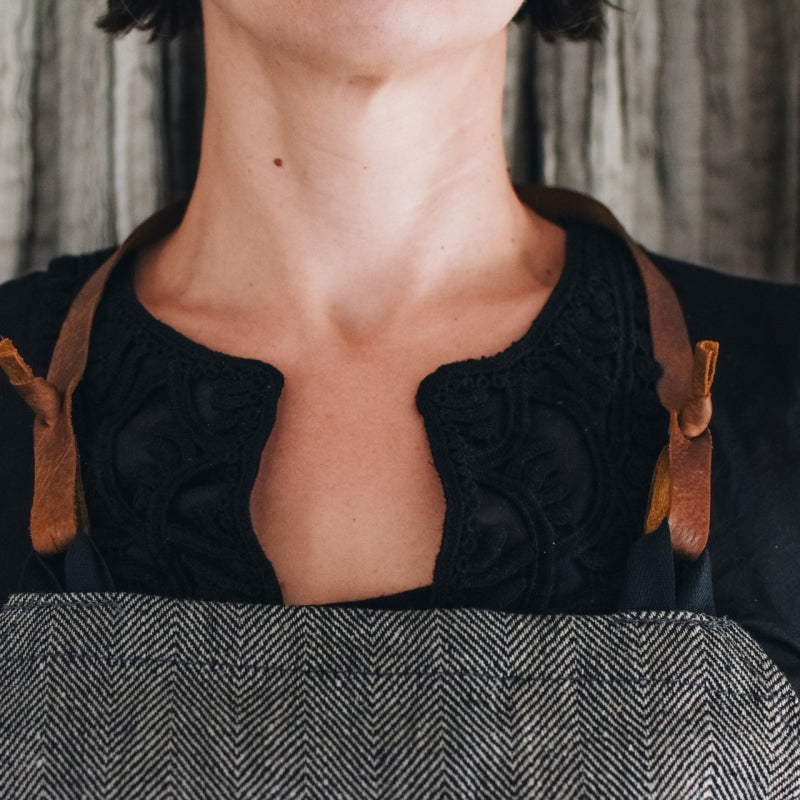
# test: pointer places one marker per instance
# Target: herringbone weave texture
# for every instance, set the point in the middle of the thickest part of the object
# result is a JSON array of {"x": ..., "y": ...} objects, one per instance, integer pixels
[{"x": 123, "y": 696}]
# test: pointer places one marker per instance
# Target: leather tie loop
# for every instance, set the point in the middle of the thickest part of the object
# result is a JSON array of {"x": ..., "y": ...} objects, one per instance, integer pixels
[
  {"x": 695, "y": 415},
  {"x": 688, "y": 454},
  {"x": 40, "y": 395}
]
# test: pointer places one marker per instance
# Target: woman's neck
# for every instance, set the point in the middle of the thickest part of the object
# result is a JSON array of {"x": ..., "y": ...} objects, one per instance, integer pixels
[{"x": 348, "y": 195}]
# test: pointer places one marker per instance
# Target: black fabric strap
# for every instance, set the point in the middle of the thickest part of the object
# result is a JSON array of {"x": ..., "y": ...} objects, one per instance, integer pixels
[{"x": 656, "y": 581}]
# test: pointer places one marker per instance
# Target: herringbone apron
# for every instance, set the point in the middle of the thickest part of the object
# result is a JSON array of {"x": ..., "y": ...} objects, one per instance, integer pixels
[{"x": 108, "y": 695}]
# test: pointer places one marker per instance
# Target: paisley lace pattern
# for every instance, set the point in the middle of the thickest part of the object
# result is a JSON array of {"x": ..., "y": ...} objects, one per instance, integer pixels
[
  {"x": 553, "y": 443},
  {"x": 545, "y": 450},
  {"x": 170, "y": 437}
]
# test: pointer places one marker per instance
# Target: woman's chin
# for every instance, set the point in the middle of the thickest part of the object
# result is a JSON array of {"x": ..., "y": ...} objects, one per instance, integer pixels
[{"x": 365, "y": 38}]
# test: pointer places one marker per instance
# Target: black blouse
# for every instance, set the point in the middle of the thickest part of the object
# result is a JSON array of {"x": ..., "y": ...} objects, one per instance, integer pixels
[{"x": 545, "y": 450}]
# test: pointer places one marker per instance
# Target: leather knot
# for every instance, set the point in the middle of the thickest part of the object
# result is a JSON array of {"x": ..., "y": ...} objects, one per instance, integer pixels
[
  {"x": 39, "y": 394},
  {"x": 695, "y": 415},
  {"x": 688, "y": 457}
]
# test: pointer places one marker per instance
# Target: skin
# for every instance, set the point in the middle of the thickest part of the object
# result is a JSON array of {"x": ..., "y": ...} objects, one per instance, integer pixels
[{"x": 353, "y": 225}]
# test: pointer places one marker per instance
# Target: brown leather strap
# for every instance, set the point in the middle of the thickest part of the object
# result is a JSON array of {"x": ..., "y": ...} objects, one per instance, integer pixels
[
  {"x": 681, "y": 485},
  {"x": 59, "y": 511}
]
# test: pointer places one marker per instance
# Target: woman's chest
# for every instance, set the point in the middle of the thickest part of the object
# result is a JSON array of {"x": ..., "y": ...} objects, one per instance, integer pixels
[{"x": 347, "y": 503}]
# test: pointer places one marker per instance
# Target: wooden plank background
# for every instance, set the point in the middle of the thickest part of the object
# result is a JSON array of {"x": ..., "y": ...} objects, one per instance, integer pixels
[{"x": 686, "y": 121}]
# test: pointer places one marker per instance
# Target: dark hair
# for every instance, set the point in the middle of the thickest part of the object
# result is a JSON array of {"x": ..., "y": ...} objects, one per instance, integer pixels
[
  {"x": 578, "y": 20},
  {"x": 570, "y": 19},
  {"x": 164, "y": 18}
]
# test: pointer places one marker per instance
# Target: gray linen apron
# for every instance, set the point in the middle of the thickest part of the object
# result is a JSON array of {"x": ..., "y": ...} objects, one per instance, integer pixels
[
  {"x": 108, "y": 695},
  {"x": 128, "y": 696}
]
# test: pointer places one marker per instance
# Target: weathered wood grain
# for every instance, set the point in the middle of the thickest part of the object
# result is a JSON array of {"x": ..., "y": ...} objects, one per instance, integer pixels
[
  {"x": 17, "y": 101},
  {"x": 83, "y": 140},
  {"x": 84, "y": 129},
  {"x": 686, "y": 122}
]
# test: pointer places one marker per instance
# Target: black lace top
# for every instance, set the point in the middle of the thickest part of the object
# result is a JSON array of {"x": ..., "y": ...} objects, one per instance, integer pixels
[{"x": 545, "y": 451}]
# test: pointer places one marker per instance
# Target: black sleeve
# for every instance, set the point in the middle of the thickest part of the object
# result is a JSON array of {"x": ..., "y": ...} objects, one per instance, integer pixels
[{"x": 755, "y": 507}]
